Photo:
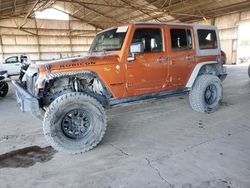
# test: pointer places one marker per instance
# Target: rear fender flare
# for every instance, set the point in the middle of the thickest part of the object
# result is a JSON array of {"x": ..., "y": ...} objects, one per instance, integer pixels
[{"x": 196, "y": 71}]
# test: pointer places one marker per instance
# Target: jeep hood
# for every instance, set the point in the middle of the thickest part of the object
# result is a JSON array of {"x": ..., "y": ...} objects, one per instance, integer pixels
[{"x": 77, "y": 63}]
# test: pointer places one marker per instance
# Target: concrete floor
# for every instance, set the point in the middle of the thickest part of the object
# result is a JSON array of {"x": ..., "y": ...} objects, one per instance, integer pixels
[{"x": 156, "y": 144}]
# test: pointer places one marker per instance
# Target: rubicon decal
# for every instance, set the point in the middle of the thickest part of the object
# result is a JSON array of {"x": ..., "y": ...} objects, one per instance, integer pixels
[{"x": 78, "y": 64}]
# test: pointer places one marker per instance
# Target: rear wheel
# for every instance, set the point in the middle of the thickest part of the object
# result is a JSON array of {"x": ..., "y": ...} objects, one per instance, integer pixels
[
  {"x": 4, "y": 88},
  {"x": 206, "y": 94},
  {"x": 74, "y": 123}
]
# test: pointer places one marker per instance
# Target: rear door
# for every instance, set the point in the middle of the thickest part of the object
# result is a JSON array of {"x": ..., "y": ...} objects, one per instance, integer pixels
[
  {"x": 148, "y": 72},
  {"x": 182, "y": 54}
]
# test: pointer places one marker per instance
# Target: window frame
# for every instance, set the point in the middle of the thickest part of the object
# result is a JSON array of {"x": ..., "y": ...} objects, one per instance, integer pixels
[
  {"x": 12, "y": 62},
  {"x": 162, "y": 37},
  {"x": 216, "y": 39},
  {"x": 93, "y": 44},
  {"x": 187, "y": 46}
]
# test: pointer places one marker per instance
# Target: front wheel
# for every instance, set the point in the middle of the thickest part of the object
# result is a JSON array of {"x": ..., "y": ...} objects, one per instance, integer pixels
[
  {"x": 206, "y": 94},
  {"x": 74, "y": 123},
  {"x": 4, "y": 88}
]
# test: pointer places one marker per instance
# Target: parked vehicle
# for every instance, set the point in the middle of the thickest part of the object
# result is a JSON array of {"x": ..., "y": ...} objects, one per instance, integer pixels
[
  {"x": 13, "y": 64},
  {"x": 125, "y": 64},
  {"x": 244, "y": 59},
  {"x": 4, "y": 87}
]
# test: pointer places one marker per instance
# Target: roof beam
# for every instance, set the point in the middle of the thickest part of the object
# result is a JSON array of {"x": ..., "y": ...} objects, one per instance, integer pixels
[
  {"x": 28, "y": 14},
  {"x": 101, "y": 4},
  {"x": 46, "y": 4},
  {"x": 230, "y": 9},
  {"x": 92, "y": 9},
  {"x": 95, "y": 11},
  {"x": 17, "y": 6},
  {"x": 14, "y": 7},
  {"x": 178, "y": 7},
  {"x": 84, "y": 20},
  {"x": 136, "y": 8}
]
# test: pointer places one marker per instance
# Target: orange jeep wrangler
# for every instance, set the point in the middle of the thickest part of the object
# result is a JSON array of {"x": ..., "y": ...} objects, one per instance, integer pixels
[{"x": 125, "y": 64}]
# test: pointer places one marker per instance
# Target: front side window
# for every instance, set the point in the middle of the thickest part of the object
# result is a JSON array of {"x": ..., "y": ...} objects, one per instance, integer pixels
[
  {"x": 181, "y": 39},
  {"x": 12, "y": 60},
  {"x": 151, "y": 39},
  {"x": 207, "y": 39},
  {"x": 111, "y": 40}
]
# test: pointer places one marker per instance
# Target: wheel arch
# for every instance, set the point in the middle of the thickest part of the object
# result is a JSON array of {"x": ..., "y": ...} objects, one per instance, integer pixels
[
  {"x": 53, "y": 77},
  {"x": 207, "y": 67}
]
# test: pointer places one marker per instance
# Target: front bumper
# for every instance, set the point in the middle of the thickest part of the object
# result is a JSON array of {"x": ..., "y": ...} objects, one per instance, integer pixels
[{"x": 26, "y": 101}]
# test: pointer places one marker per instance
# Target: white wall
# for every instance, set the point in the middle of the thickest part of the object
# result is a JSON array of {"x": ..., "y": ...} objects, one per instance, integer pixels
[{"x": 45, "y": 39}]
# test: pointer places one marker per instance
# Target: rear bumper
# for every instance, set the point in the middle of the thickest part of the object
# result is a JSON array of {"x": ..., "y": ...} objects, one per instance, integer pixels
[{"x": 26, "y": 101}]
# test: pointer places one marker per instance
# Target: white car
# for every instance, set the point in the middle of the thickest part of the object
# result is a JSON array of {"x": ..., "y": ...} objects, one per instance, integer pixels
[{"x": 13, "y": 64}]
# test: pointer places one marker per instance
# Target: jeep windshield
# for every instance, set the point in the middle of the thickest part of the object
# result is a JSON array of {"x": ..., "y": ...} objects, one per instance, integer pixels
[{"x": 111, "y": 40}]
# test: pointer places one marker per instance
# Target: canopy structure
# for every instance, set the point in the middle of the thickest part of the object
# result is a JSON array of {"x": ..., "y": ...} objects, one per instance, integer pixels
[{"x": 105, "y": 13}]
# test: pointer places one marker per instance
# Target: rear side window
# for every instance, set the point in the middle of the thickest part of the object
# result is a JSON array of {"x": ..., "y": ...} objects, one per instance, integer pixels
[
  {"x": 207, "y": 39},
  {"x": 151, "y": 39},
  {"x": 181, "y": 39}
]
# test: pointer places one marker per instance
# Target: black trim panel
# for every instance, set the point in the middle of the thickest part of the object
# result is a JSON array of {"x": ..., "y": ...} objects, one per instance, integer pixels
[{"x": 165, "y": 94}]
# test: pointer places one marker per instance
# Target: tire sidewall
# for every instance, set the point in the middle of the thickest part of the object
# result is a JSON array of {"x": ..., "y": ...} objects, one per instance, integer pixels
[
  {"x": 57, "y": 110},
  {"x": 219, "y": 92}
]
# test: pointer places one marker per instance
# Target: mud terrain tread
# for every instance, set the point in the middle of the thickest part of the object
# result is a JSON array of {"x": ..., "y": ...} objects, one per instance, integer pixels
[
  {"x": 196, "y": 95},
  {"x": 55, "y": 107}
]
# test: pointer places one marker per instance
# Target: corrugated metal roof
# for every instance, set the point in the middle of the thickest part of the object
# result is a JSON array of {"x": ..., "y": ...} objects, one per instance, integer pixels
[{"x": 103, "y": 13}]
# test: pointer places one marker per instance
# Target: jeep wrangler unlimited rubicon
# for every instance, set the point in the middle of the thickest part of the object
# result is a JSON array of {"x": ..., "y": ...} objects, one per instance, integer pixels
[{"x": 133, "y": 62}]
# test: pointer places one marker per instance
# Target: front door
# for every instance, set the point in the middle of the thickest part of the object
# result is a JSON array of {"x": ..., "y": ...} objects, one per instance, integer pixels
[{"x": 148, "y": 72}]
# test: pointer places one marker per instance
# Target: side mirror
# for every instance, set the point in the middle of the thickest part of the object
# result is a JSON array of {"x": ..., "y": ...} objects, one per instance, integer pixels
[{"x": 135, "y": 48}]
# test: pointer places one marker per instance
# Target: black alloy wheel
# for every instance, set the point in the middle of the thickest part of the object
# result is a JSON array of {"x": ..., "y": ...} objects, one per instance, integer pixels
[{"x": 76, "y": 123}]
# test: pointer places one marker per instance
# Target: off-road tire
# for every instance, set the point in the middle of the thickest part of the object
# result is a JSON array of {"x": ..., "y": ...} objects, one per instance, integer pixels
[
  {"x": 249, "y": 71},
  {"x": 60, "y": 108},
  {"x": 4, "y": 88},
  {"x": 198, "y": 96}
]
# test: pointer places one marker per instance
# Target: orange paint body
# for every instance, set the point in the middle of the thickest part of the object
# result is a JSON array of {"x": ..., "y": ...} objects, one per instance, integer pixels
[{"x": 142, "y": 76}]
